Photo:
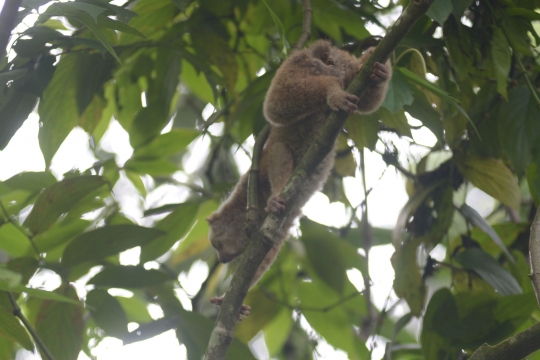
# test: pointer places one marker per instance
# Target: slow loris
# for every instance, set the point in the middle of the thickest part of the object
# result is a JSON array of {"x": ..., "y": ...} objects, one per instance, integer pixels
[{"x": 307, "y": 87}]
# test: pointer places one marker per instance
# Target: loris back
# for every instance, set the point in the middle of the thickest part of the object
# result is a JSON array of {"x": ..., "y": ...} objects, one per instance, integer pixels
[{"x": 307, "y": 87}]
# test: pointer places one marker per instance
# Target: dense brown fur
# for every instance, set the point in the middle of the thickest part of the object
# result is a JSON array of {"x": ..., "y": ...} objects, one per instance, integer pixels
[{"x": 306, "y": 88}]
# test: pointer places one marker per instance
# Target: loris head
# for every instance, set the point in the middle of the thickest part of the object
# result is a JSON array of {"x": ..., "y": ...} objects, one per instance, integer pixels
[
  {"x": 335, "y": 59},
  {"x": 227, "y": 235}
]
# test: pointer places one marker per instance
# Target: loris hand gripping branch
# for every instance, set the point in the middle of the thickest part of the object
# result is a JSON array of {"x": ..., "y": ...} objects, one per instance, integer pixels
[{"x": 307, "y": 87}]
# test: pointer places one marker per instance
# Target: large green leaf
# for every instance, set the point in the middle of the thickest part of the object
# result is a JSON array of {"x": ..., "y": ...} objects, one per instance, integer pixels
[
  {"x": 493, "y": 177},
  {"x": 58, "y": 199},
  {"x": 167, "y": 144},
  {"x": 500, "y": 53},
  {"x": 176, "y": 225},
  {"x": 399, "y": 93},
  {"x": 106, "y": 241},
  {"x": 107, "y": 312},
  {"x": 440, "y": 10},
  {"x": 490, "y": 270},
  {"x": 13, "y": 241},
  {"x": 31, "y": 181},
  {"x": 363, "y": 130},
  {"x": 11, "y": 328},
  {"x": 13, "y": 113},
  {"x": 129, "y": 277},
  {"x": 60, "y": 326},
  {"x": 518, "y": 126}
]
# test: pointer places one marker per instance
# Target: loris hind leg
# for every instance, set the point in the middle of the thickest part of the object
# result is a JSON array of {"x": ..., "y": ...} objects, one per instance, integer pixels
[
  {"x": 244, "y": 310},
  {"x": 280, "y": 168}
]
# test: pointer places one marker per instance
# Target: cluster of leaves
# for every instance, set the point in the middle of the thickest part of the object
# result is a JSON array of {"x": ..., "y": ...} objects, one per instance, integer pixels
[{"x": 151, "y": 62}]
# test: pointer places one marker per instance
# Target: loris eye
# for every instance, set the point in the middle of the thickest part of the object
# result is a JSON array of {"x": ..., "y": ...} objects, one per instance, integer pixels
[{"x": 329, "y": 61}]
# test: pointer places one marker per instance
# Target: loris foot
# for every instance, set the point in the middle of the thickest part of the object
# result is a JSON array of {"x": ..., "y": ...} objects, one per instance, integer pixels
[
  {"x": 381, "y": 72},
  {"x": 275, "y": 205},
  {"x": 244, "y": 310},
  {"x": 342, "y": 100}
]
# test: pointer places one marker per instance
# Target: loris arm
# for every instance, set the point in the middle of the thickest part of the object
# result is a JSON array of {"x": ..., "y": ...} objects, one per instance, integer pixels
[
  {"x": 374, "y": 96},
  {"x": 292, "y": 97}
]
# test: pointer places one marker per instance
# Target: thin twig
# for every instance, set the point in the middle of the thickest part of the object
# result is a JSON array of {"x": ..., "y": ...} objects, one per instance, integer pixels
[
  {"x": 18, "y": 313},
  {"x": 325, "y": 309},
  {"x": 527, "y": 80},
  {"x": 306, "y": 26}
]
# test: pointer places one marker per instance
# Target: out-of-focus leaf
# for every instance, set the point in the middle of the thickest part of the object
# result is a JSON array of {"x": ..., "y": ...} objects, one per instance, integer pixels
[
  {"x": 399, "y": 93},
  {"x": 490, "y": 270},
  {"x": 12, "y": 75},
  {"x": 128, "y": 277},
  {"x": 500, "y": 52},
  {"x": 106, "y": 241},
  {"x": 108, "y": 23},
  {"x": 149, "y": 330},
  {"x": 135, "y": 308},
  {"x": 155, "y": 167},
  {"x": 281, "y": 30},
  {"x": 31, "y": 181},
  {"x": 493, "y": 177},
  {"x": 107, "y": 312},
  {"x": 277, "y": 331},
  {"x": 13, "y": 113},
  {"x": 176, "y": 225},
  {"x": 440, "y": 10},
  {"x": 518, "y": 126},
  {"x": 13, "y": 241},
  {"x": 11, "y": 328},
  {"x": 397, "y": 121},
  {"x": 474, "y": 217},
  {"x": 167, "y": 144},
  {"x": 363, "y": 130},
  {"x": 60, "y": 325},
  {"x": 58, "y": 199},
  {"x": 442, "y": 306},
  {"x": 334, "y": 325},
  {"x": 408, "y": 282},
  {"x": 59, "y": 233},
  {"x": 345, "y": 164},
  {"x": 264, "y": 310}
]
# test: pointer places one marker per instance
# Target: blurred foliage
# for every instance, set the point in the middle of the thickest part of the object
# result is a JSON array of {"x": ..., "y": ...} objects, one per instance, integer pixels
[{"x": 467, "y": 72}]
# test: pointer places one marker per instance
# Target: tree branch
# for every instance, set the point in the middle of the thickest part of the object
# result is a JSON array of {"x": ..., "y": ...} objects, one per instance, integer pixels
[
  {"x": 262, "y": 241},
  {"x": 306, "y": 26},
  {"x": 534, "y": 253},
  {"x": 515, "y": 348},
  {"x": 7, "y": 23},
  {"x": 18, "y": 313}
]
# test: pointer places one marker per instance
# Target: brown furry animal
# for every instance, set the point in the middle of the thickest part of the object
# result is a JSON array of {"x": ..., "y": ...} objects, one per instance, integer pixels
[{"x": 307, "y": 87}]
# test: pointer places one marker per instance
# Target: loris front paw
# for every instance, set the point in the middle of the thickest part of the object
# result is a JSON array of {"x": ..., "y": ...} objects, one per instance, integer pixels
[
  {"x": 275, "y": 205},
  {"x": 342, "y": 100},
  {"x": 381, "y": 72},
  {"x": 244, "y": 310}
]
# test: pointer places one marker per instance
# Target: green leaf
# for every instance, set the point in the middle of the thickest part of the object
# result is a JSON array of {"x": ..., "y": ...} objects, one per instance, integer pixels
[
  {"x": 59, "y": 233},
  {"x": 87, "y": 21},
  {"x": 518, "y": 126},
  {"x": 500, "y": 53},
  {"x": 440, "y": 10},
  {"x": 459, "y": 7},
  {"x": 106, "y": 241},
  {"x": 280, "y": 29},
  {"x": 13, "y": 241},
  {"x": 533, "y": 179},
  {"x": 397, "y": 121},
  {"x": 490, "y": 270},
  {"x": 135, "y": 308},
  {"x": 31, "y": 181},
  {"x": 58, "y": 199},
  {"x": 474, "y": 217},
  {"x": 92, "y": 10},
  {"x": 167, "y": 144},
  {"x": 108, "y": 23},
  {"x": 12, "y": 75},
  {"x": 60, "y": 326},
  {"x": 107, "y": 312},
  {"x": 37, "y": 293},
  {"x": 58, "y": 109},
  {"x": 441, "y": 308},
  {"x": 13, "y": 112},
  {"x": 12, "y": 329},
  {"x": 493, "y": 177},
  {"x": 264, "y": 309},
  {"x": 521, "y": 12},
  {"x": 363, "y": 130},
  {"x": 398, "y": 94},
  {"x": 176, "y": 225},
  {"x": 155, "y": 167},
  {"x": 130, "y": 277}
]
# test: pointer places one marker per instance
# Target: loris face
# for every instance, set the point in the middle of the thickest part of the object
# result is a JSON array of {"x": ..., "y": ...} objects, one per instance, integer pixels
[
  {"x": 226, "y": 238},
  {"x": 334, "y": 61}
]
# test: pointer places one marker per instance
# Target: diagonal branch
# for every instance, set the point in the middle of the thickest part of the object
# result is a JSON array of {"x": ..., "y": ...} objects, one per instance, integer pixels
[{"x": 262, "y": 241}]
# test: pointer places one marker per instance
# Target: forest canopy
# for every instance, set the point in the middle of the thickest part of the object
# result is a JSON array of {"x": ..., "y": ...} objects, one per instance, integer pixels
[{"x": 178, "y": 75}]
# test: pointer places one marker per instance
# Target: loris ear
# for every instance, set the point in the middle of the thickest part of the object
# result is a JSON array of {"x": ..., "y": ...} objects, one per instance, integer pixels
[
  {"x": 321, "y": 49},
  {"x": 212, "y": 218}
]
